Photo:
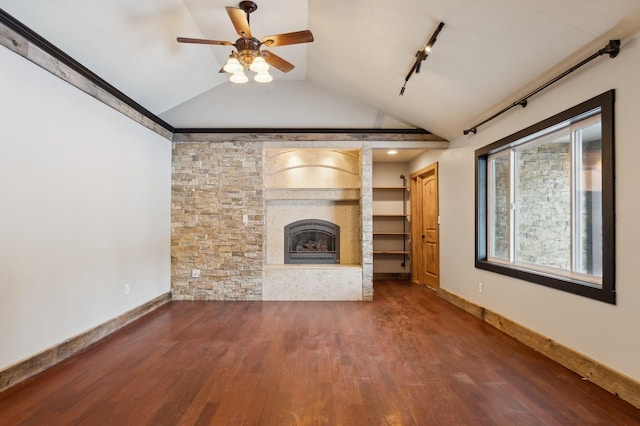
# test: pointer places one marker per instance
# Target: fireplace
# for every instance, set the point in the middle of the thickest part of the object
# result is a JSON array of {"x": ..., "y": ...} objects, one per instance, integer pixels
[{"x": 311, "y": 241}]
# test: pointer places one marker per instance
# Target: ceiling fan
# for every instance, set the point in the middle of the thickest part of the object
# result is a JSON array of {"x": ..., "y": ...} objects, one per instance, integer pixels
[{"x": 249, "y": 52}]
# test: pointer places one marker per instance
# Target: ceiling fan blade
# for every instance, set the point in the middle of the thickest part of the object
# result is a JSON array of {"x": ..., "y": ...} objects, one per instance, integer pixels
[
  {"x": 288, "y": 38},
  {"x": 203, "y": 41},
  {"x": 239, "y": 21},
  {"x": 276, "y": 61}
]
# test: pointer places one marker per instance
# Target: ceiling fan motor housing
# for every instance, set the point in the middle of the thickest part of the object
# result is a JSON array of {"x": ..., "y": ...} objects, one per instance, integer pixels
[
  {"x": 248, "y": 49},
  {"x": 246, "y": 43}
]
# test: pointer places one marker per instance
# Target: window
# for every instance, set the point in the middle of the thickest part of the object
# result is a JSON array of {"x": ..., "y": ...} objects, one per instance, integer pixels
[{"x": 545, "y": 202}]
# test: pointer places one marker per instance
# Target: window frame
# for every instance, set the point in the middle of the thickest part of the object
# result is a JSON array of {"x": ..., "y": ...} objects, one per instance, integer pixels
[{"x": 604, "y": 292}]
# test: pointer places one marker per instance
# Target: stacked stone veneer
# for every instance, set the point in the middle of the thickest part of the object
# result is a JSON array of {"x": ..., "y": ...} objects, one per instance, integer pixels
[
  {"x": 366, "y": 193},
  {"x": 500, "y": 207},
  {"x": 215, "y": 185},
  {"x": 544, "y": 206}
]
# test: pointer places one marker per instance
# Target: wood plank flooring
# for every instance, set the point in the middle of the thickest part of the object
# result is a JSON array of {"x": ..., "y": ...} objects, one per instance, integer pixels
[{"x": 408, "y": 358}]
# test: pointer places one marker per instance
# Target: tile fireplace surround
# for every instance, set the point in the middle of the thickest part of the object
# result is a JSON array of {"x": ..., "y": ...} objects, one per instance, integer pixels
[{"x": 232, "y": 200}]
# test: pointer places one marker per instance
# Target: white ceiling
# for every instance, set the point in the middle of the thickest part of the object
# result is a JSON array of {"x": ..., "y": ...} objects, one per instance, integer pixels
[
  {"x": 349, "y": 77},
  {"x": 401, "y": 155}
]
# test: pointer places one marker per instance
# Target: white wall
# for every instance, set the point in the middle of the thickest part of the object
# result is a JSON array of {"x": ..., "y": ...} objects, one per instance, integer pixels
[
  {"x": 604, "y": 332},
  {"x": 85, "y": 208}
]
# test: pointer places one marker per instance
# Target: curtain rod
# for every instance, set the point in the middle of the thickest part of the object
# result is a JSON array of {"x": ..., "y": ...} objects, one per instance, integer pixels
[{"x": 612, "y": 48}]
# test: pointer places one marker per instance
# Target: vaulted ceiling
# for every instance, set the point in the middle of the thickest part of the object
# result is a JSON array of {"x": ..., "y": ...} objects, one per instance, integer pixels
[{"x": 350, "y": 76}]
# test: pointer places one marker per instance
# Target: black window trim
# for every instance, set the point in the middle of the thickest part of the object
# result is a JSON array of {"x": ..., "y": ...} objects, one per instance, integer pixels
[{"x": 606, "y": 292}]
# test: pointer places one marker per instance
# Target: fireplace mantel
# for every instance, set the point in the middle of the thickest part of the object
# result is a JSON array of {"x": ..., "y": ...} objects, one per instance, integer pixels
[{"x": 328, "y": 194}]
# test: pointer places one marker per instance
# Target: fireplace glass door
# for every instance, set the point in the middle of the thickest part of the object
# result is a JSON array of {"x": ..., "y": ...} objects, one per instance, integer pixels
[{"x": 312, "y": 241}]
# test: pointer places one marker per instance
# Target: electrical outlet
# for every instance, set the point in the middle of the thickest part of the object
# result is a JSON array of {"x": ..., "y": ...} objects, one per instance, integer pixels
[
  {"x": 195, "y": 273},
  {"x": 126, "y": 289},
  {"x": 245, "y": 219},
  {"x": 480, "y": 287}
]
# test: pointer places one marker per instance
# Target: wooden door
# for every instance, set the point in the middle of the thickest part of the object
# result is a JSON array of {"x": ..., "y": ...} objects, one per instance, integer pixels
[{"x": 425, "y": 227}]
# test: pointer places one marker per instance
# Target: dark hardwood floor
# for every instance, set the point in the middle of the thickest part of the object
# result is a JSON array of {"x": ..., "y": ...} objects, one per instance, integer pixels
[{"x": 408, "y": 358}]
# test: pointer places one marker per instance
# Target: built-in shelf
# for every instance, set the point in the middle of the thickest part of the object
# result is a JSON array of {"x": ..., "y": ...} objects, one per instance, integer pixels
[{"x": 391, "y": 229}]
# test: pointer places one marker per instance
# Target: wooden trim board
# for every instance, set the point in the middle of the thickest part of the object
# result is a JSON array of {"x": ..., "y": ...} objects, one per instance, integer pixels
[
  {"x": 427, "y": 140},
  {"x": 31, "y": 366},
  {"x": 612, "y": 381}
]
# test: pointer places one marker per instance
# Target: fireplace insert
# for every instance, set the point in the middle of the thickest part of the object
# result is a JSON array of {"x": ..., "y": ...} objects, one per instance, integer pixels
[{"x": 312, "y": 241}]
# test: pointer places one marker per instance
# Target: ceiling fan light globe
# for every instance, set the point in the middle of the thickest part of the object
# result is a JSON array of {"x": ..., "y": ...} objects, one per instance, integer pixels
[
  {"x": 259, "y": 65},
  {"x": 232, "y": 66},
  {"x": 263, "y": 77},
  {"x": 238, "y": 77}
]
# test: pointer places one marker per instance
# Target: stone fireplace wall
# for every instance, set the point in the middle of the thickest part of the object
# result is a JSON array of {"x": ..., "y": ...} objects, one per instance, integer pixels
[{"x": 217, "y": 221}]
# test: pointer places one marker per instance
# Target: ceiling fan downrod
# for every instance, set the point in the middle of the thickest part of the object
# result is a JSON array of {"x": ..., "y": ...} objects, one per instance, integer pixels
[{"x": 249, "y": 7}]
